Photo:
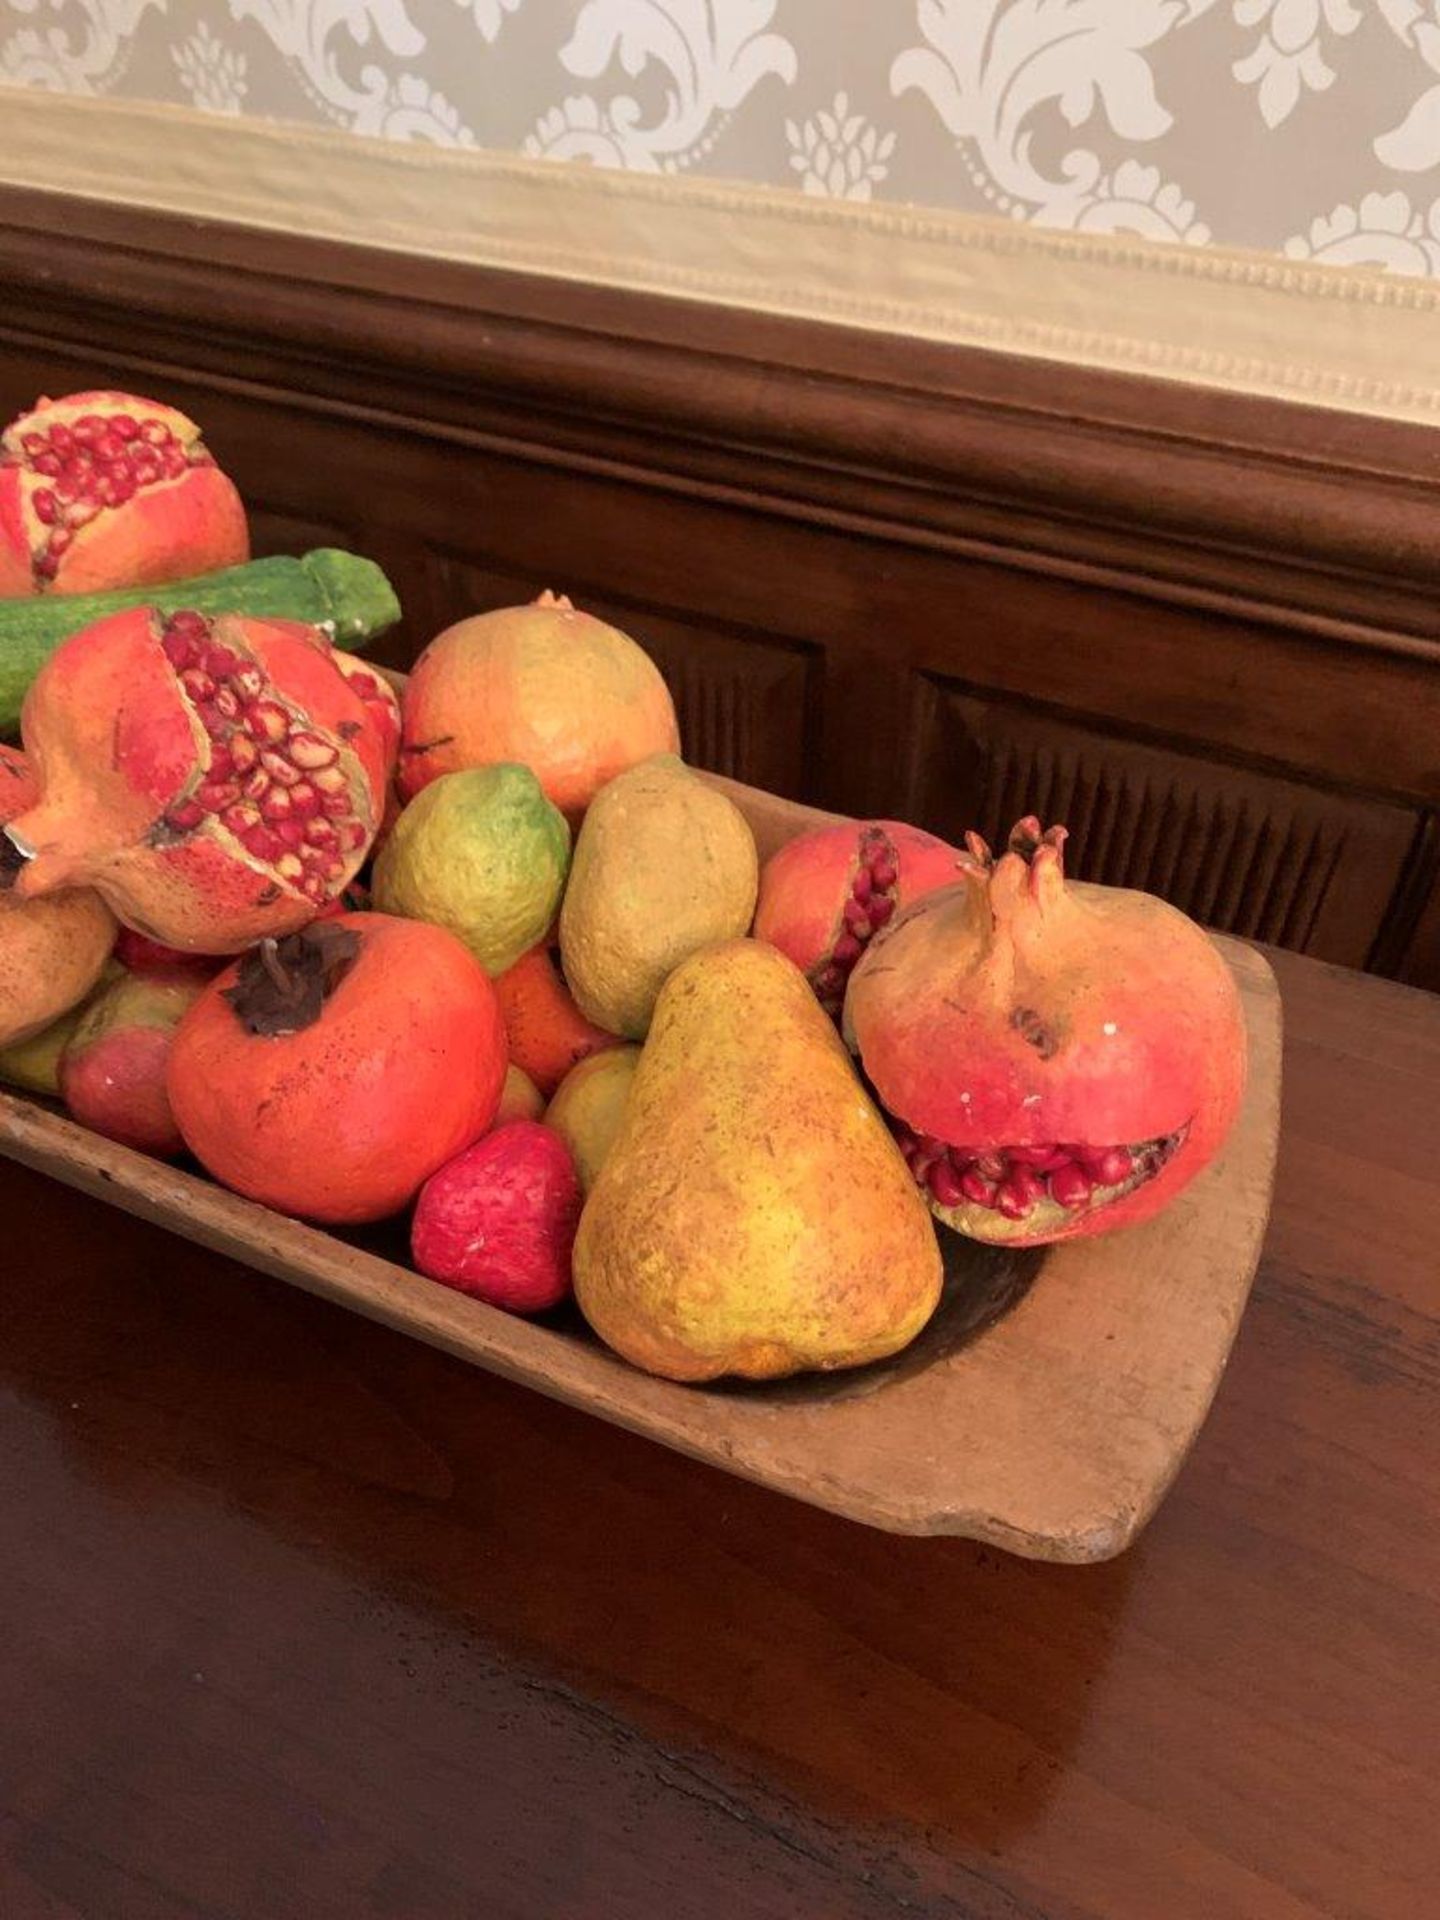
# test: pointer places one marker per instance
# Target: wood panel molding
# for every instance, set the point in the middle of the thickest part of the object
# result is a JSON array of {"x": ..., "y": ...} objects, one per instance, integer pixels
[{"x": 836, "y": 542}]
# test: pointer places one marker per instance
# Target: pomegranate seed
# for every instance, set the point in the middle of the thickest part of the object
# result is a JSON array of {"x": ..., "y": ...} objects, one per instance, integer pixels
[
  {"x": 34, "y": 443},
  {"x": 243, "y": 751},
  {"x": 276, "y": 805},
  {"x": 944, "y": 1183},
  {"x": 197, "y": 684},
  {"x": 46, "y": 566},
  {"x": 289, "y": 868},
  {"x": 278, "y": 767},
  {"x": 333, "y": 868},
  {"x": 258, "y": 785},
  {"x": 226, "y": 703},
  {"x": 249, "y": 681},
  {"x": 154, "y": 433},
  {"x": 332, "y": 780},
  {"x": 1109, "y": 1168},
  {"x": 335, "y": 806},
  {"x": 186, "y": 816},
  {"x": 260, "y": 842},
  {"x": 860, "y": 886},
  {"x": 81, "y": 513},
  {"x": 1031, "y": 1156},
  {"x": 145, "y": 472},
  {"x": 47, "y": 463},
  {"x": 846, "y": 950},
  {"x": 215, "y": 795},
  {"x": 1014, "y": 1202},
  {"x": 267, "y": 722},
  {"x": 830, "y": 980},
  {"x": 108, "y": 449},
  {"x": 321, "y": 833},
  {"x": 221, "y": 662},
  {"x": 882, "y": 872},
  {"x": 179, "y": 649},
  {"x": 123, "y": 427},
  {"x": 61, "y": 438},
  {"x": 857, "y": 919},
  {"x": 977, "y": 1188},
  {"x": 290, "y": 833},
  {"x": 222, "y": 767},
  {"x": 304, "y": 800},
  {"x": 187, "y": 620},
  {"x": 66, "y": 490},
  {"x": 116, "y": 488},
  {"x": 1026, "y": 1183},
  {"x": 60, "y": 538},
  {"x": 353, "y": 835},
  {"x": 991, "y": 1165},
  {"x": 881, "y": 908},
  {"x": 88, "y": 428},
  {"x": 43, "y": 501},
  {"x": 309, "y": 751},
  {"x": 1070, "y": 1186},
  {"x": 241, "y": 817},
  {"x": 174, "y": 459}
]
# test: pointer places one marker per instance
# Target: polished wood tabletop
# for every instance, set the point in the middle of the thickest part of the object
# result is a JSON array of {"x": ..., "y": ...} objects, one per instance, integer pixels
[{"x": 302, "y": 1621}]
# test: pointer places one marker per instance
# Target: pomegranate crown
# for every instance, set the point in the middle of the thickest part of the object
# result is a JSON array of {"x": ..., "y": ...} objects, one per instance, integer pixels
[{"x": 1031, "y": 868}]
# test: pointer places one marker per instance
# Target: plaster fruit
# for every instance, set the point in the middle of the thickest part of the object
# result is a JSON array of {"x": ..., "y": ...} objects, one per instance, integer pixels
[
  {"x": 216, "y": 780},
  {"x": 520, "y": 1098},
  {"x": 329, "y": 1074},
  {"x": 112, "y": 1072},
  {"x": 546, "y": 1030},
  {"x": 546, "y": 685},
  {"x": 105, "y": 490},
  {"x": 753, "y": 1216},
  {"x": 52, "y": 951},
  {"x": 664, "y": 865},
  {"x": 1059, "y": 1059},
  {"x": 483, "y": 853},
  {"x": 590, "y": 1104},
  {"x": 824, "y": 894},
  {"x": 499, "y": 1221}
]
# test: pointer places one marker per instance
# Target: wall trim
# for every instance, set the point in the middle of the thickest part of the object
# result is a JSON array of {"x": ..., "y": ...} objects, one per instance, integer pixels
[{"x": 1212, "y": 317}]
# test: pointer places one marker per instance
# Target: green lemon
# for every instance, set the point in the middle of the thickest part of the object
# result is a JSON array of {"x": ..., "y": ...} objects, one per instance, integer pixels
[{"x": 482, "y": 852}]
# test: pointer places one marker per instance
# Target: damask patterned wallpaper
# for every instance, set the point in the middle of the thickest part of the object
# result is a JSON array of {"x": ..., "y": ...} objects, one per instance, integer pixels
[{"x": 1304, "y": 127}]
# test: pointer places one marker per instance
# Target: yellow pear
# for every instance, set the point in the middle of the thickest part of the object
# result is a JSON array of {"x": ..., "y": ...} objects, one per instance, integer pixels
[
  {"x": 753, "y": 1215},
  {"x": 664, "y": 864},
  {"x": 589, "y": 1105}
]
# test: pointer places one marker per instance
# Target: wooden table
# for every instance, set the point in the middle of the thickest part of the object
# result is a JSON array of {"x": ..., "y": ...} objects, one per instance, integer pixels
[{"x": 303, "y": 1621}]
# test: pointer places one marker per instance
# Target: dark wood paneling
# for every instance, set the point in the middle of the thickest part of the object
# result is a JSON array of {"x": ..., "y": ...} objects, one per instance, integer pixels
[
  {"x": 865, "y": 564},
  {"x": 1275, "y": 860}
]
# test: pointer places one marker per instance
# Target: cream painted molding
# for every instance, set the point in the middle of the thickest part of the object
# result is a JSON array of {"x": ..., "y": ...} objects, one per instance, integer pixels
[{"x": 1212, "y": 317}]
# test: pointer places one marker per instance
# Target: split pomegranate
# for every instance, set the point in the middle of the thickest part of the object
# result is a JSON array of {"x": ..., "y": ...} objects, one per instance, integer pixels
[
  {"x": 1057, "y": 1059},
  {"x": 216, "y": 780},
  {"x": 105, "y": 490},
  {"x": 824, "y": 894},
  {"x": 330, "y": 1073}
]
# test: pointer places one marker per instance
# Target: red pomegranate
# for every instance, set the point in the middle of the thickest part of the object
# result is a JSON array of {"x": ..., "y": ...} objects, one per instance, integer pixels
[
  {"x": 332, "y": 1072},
  {"x": 215, "y": 780},
  {"x": 825, "y": 893},
  {"x": 499, "y": 1221},
  {"x": 1059, "y": 1059},
  {"x": 107, "y": 490},
  {"x": 112, "y": 1072}
]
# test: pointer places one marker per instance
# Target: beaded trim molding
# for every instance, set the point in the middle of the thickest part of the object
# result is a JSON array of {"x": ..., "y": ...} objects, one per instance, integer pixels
[{"x": 1209, "y": 316}]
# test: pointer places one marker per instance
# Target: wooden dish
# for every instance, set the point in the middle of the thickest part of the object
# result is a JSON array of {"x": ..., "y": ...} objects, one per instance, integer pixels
[{"x": 1046, "y": 1408}]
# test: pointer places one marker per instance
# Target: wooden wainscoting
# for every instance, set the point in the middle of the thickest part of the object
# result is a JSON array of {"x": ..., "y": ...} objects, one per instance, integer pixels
[{"x": 881, "y": 575}]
